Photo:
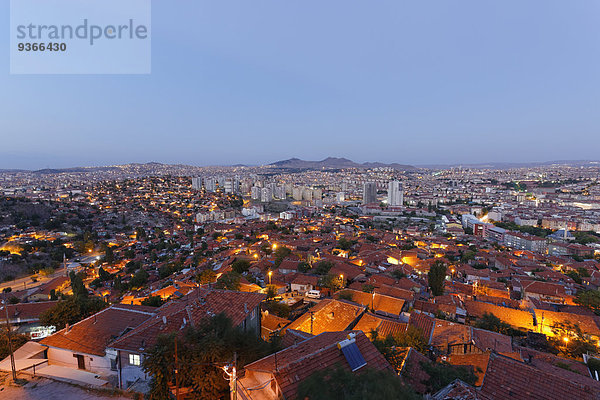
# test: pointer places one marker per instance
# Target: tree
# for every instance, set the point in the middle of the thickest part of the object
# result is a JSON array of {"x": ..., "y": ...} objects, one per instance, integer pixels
[
  {"x": 202, "y": 349},
  {"x": 139, "y": 279},
  {"x": 271, "y": 292},
  {"x": 229, "y": 281},
  {"x": 303, "y": 267},
  {"x": 323, "y": 267},
  {"x": 103, "y": 275},
  {"x": 109, "y": 255},
  {"x": 392, "y": 346},
  {"x": 368, "y": 288},
  {"x": 17, "y": 340},
  {"x": 346, "y": 295},
  {"x": 77, "y": 286},
  {"x": 280, "y": 253},
  {"x": 589, "y": 299},
  {"x": 441, "y": 374},
  {"x": 240, "y": 265},
  {"x": 278, "y": 308},
  {"x": 331, "y": 281},
  {"x": 571, "y": 340},
  {"x": 71, "y": 311},
  {"x": 153, "y": 301},
  {"x": 206, "y": 276},
  {"x": 492, "y": 323},
  {"x": 345, "y": 244},
  {"x": 342, "y": 384},
  {"x": 436, "y": 278}
]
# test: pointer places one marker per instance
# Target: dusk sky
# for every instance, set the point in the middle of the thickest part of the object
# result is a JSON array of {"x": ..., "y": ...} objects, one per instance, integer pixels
[{"x": 413, "y": 82}]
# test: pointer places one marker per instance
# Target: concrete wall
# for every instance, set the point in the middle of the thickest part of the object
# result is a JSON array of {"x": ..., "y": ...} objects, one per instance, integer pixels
[{"x": 93, "y": 363}]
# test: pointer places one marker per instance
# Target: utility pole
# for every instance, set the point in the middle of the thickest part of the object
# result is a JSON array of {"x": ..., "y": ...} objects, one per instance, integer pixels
[
  {"x": 9, "y": 333},
  {"x": 234, "y": 376},
  {"x": 176, "y": 373},
  {"x": 312, "y": 317}
]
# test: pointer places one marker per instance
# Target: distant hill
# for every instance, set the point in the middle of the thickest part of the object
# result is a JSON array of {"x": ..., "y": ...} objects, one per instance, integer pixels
[
  {"x": 335, "y": 162},
  {"x": 506, "y": 165}
]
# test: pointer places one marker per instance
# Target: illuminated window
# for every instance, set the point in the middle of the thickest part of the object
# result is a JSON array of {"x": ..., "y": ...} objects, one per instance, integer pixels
[{"x": 134, "y": 359}]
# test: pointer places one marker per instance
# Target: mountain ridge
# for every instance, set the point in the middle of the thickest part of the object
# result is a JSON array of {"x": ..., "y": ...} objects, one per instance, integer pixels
[{"x": 335, "y": 162}]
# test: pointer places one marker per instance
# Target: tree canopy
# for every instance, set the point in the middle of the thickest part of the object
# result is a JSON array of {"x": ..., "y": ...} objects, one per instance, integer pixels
[
  {"x": 341, "y": 384},
  {"x": 71, "y": 311},
  {"x": 436, "y": 278},
  {"x": 229, "y": 281},
  {"x": 589, "y": 299},
  {"x": 492, "y": 323},
  {"x": 201, "y": 351}
]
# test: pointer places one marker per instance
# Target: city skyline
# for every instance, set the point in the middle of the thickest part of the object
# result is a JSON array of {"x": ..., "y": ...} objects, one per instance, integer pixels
[{"x": 457, "y": 83}]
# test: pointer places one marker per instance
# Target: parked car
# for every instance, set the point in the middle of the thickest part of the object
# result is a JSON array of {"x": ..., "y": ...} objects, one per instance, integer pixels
[{"x": 314, "y": 294}]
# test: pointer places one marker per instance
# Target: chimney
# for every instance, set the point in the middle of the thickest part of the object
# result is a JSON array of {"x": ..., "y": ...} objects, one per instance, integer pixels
[{"x": 68, "y": 327}]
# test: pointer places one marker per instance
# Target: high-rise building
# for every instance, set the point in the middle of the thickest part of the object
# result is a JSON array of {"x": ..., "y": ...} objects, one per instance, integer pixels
[
  {"x": 266, "y": 195},
  {"x": 197, "y": 183},
  {"x": 210, "y": 184},
  {"x": 369, "y": 192},
  {"x": 297, "y": 192},
  {"x": 395, "y": 193}
]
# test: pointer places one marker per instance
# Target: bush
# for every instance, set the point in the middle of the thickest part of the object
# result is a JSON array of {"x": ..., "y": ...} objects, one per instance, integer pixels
[{"x": 341, "y": 384}]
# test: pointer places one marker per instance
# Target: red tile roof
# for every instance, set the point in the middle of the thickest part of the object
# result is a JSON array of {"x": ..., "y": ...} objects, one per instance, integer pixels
[
  {"x": 93, "y": 334},
  {"x": 508, "y": 379},
  {"x": 383, "y": 326},
  {"x": 26, "y": 311},
  {"x": 190, "y": 309},
  {"x": 296, "y": 363},
  {"x": 423, "y": 322},
  {"x": 328, "y": 315},
  {"x": 386, "y": 304}
]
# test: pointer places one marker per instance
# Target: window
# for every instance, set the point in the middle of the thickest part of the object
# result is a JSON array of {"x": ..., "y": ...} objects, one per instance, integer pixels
[{"x": 134, "y": 359}]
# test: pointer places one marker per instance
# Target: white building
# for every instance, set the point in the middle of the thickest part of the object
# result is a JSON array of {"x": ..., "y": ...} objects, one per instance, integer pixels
[
  {"x": 197, "y": 183},
  {"x": 266, "y": 195},
  {"x": 395, "y": 193}
]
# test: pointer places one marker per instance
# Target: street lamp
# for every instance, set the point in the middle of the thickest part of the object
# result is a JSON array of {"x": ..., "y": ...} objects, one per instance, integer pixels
[
  {"x": 270, "y": 273},
  {"x": 342, "y": 279}
]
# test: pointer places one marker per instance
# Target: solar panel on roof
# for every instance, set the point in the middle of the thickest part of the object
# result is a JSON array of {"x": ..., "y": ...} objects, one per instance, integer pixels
[{"x": 353, "y": 356}]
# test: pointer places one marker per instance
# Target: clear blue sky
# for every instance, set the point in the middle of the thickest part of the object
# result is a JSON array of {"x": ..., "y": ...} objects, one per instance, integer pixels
[{"x": 253, "y": 82}]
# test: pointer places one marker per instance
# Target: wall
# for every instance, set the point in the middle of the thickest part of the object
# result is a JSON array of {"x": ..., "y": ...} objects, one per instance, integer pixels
[{"x": 93, "y": 363}]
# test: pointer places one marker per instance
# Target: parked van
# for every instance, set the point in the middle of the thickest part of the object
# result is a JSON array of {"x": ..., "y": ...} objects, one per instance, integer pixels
[{"x": 314, "y": 294}]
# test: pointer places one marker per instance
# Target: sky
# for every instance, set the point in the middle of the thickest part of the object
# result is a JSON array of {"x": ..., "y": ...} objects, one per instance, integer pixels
[{"x": 252, "y": 82}]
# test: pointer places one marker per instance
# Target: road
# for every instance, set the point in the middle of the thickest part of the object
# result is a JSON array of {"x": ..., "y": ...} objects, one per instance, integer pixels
[{"x": 26, "y": 282}]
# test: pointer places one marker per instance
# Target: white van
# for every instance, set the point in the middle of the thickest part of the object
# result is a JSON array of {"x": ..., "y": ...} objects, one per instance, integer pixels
[{"x": 314, "y": 294}]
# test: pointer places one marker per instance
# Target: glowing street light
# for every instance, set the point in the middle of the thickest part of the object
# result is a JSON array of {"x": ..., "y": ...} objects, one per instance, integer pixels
[
  {"x": 270, "y": 274},
  {"x": 274, "y": 246}
]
